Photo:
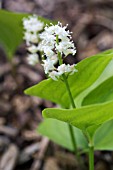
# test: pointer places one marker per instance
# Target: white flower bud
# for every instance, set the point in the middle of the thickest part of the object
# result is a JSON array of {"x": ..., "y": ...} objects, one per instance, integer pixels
[
  {"x": 33, "y": 59},
  {"x": 32, "y": 49},
  {"x": 48, "y": 66},
  {"x": 54, "y": 75},
  {"x": 48, "y": 52},
  {"x": 54, "y": 59},
  {"x": 30, "y": 38},
  {"x": 66, "y": 69}
]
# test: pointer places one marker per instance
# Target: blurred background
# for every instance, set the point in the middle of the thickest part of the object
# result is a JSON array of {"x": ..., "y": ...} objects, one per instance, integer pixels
[{"x": 21, "y": 147}]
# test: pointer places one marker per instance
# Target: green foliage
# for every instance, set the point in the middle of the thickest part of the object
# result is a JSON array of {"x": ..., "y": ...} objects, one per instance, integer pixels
[
  {"x": 103, "y": 137},
  {"x": 103, "y": 93},
  {"x": 59, "y": 132},
  {"x": 91, "y": 73},
  {"x": 87, "y": 118},
  {"x": 11, "y": 30},
  {"x": 91, "y": 86}
]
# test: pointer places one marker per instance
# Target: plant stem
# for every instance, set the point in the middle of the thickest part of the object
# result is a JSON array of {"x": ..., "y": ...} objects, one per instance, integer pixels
[
  {"x": 73, "y": 138},
  {"x": 91, "y": 157},
  {"x": 71, "y": 100},
  {"x": 69, "y": 92},
  {"x": 73, "y": 105}
]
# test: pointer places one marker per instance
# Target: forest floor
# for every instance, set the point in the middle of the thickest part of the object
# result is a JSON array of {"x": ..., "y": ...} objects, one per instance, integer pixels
[{"x": 21, "y": 147}]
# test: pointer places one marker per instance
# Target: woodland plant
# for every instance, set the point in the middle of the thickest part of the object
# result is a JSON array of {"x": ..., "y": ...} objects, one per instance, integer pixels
[
  {"x": 83, "y": 90},
  {"x": 55, "y": 44}
]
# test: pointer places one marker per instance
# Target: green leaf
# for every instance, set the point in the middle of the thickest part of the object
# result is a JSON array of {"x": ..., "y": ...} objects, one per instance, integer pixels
[
  {"x": 107, "y": 73},
  {"x": 11, "y": 30},
  {"x": 58, "y": 132},
  {"x": 91, "y": 73},
  {"x": 87, "y": 118},
  {"x": 103, "y": 137},
  {"x": 102, "y": 93}
]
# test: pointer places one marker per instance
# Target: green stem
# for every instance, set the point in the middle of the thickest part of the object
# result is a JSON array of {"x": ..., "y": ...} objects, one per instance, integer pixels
[
  {"x": 91, "y": 157},
  {"x": 69, "y": 92},
  {"x": 73, "y": 105},
  {"x": 73, "y": 138},
  {"x": 71, "y": 100}
]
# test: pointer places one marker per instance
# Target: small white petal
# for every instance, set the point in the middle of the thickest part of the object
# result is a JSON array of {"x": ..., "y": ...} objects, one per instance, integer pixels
[
  {"x": 48, "y": 52},
  {"x": 54, "y": 59},
  {"x": 30, "y": 38},
  {"x": 33, "y": 59},
  {"x": 48, "y": 66},
  {"x": 62, "y": 69},
  {"x": 67, "y": 69},
  {"x": 33, "y": 49},
  {"x": 54, "y": 75}
]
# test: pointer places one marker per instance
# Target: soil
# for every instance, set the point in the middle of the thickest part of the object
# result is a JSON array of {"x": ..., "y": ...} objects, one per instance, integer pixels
[{"x": 21, "y": 147}]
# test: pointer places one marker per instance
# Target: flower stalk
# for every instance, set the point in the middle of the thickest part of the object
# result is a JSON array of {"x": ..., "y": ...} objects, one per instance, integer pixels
[
  {"x": 71, "y": 100},
  {"x": 73, "y": 105},
  {"x": 91, "y": 158}
]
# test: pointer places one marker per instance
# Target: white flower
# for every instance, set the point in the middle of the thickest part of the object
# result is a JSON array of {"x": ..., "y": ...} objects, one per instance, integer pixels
[
  {"x": 66, "y": 69},
  {"x": 33, "y": 59},
  {"x": 64, "y": 46},
  {"x": 32, "y": 49},
  {"x": 54, "y": 59},
  {"x": 49, "y": 38},
  {"x": 48, "y": 52},
  {"x": 32, "y": 24},
  {"x": 50, "y": 29},
  {"x": 30, "y": 38},
  {"x": 57, "y": 30},
  {"x": 69, "y": 51},
  {"x": 56, "y": 39},
  {"x": 71, "y": 69},
  {"x": 48, "y": 66},
  {"x": 48, "y": 41},
  {"x": 54, "y": 75},
  {"x": 43, "y": 46},
  {"x": 62, "y": 69},
  {"x": 61, "y": 31}
]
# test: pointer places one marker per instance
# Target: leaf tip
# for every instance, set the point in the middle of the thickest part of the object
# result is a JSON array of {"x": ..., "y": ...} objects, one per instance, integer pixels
[
  {"x": 26, "y": 91},
  {"x": 45, "y": 113}
]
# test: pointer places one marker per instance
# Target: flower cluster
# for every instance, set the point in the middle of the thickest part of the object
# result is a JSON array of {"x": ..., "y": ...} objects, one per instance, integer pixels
[
  {"x": 56, "y": 40},
  {"x": 32, "y": 26}
]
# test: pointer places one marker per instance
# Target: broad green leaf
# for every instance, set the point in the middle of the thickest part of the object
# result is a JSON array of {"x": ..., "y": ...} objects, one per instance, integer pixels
[
  {"x": 87, "y": 118},
  {"x": 102, "y": 93},
  {"x": 91, "y": 73},
  {"x": 107, "y": 73},
  {"x": 58, "y": 132},
  {"x": 103, "y": 136},
  {"x": 11, "y": 30}
]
